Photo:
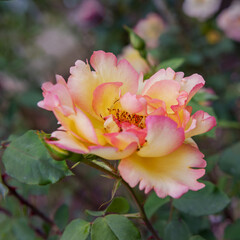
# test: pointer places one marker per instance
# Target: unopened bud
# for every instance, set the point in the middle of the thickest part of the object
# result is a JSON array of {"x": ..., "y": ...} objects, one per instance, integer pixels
[
  {"x": 136, "y": 41},
  {"x": 56, "y": 152}
]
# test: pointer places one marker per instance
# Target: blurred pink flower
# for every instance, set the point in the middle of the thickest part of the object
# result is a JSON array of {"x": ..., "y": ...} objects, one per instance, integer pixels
[
  {"x": 89, "y": 13},
  {"x": 201, "y": 9},
  {"x": 229, "y": 21},
  {"x": 11, "y": 85},
  {"x": 56, "y": 41},
  {"x": 112, "y": 113},
  {"x": 134, "y": 58},
  {"x": 150, "y": 29}
]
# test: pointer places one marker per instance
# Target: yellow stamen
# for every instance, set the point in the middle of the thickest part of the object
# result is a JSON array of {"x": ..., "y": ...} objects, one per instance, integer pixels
[{"x": 123, "y": 116}]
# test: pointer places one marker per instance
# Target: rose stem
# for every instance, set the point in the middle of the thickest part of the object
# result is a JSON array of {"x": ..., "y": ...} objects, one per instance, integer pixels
[
  {"x": 26, "y": 203},
  {"x": 136, "y": 200}
]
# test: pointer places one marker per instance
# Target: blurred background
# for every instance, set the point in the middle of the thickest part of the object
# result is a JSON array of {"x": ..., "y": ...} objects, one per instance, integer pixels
[{"x": 41, "y": 38}]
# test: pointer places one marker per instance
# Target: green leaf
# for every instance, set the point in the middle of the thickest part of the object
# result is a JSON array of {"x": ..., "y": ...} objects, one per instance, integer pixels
[
  {"x": 16, "y": 229},
  {"x": 6, "y": 228},
  {"x": 28, "y": 190},
  {"x": 177, "y": 229},
  {"x": 174, "y": 63},
  {"x": 209, "y": 200},
  {"x": 153, "y": 203},
  {"x": 160, "y": 226},
  {"x": 229, "y": 160},
  {"x": 78, "y": 229},
  {"x": 114, "y": 227},
  {"x": 27, "y": 160},
  {"x": 118, "y": 205},
  {"x": 101, "y": 230},
  {"x": 22, "y": 230},
  {"x": 197, "y": 237},
  {"x": 232, "y": 231},
  {"x": 196, "y": 224},
  {"x": 95, "y": 213},
  {"x": 61, "y": 216}
]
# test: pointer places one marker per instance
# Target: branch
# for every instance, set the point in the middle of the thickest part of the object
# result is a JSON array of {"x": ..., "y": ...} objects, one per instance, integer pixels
[
  {"x": 37, "y": 231},
  {"x": 6, "y": 212},
  {"x": 23, "y": 201},
  {"x": 139, "y": 205}
]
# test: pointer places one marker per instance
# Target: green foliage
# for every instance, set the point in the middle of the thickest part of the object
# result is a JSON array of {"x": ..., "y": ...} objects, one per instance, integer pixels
[
  {"x": 16, "y": 229},
  {"x": 26, "y": 64},
  {"x": 196, "y": 238},
  {"x": 208, "y": 200},
  {"x": 153, "y": 203},
  {"x": 136, "y": 41},
  {"x": 229, "y": 160},
  {"x": 196, "y": 224},
  {"x": 232, "y": 231},
  {"x": 118, "y": 205},
  {"x": 78, "y": 229},
  {"x": 61, "y": 216},
  {"x": 177, "y": 229},
  {"x": 27, "y": 160},
  {"x": 94, "y": 213},
  {"x": 114, "y": 227},
  {"x": 174, "y": 63}
]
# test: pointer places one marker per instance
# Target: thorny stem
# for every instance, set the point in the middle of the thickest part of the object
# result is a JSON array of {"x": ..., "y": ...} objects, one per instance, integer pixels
[
  {"x": 141, "y": 209},
  {"x": 37, "y": 231},
  {"x": 131, "y": 191},
  {"x": 5, "y": 211},
  {"x": 23, "y": 201}
]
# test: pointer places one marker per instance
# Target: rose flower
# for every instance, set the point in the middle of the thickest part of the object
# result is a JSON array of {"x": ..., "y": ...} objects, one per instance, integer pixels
[
  {"x": 229, "y": 21},
  {"x": 112, "y": 113}
]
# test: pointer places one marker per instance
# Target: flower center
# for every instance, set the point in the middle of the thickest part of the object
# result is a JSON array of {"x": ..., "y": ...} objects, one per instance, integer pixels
[{"x": 123, "y": 116}]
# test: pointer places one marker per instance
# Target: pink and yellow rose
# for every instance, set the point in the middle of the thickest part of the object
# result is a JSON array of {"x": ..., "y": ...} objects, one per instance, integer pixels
[{"x": 112, "y": 113}]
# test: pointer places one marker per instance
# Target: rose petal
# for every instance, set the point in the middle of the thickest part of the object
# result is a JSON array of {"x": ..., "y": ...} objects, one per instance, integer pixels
[
  {"x": 191, "y": 84},
  {"x": 104, "y": 97},
  {"x": 122, "y": 139},
  {"x": 199, "y": 123},
  {"x": 131, "y": 103},
  {"x": 112, "y": 153},
  {"x": 163, "y": 137},
  {"x": 171, "y": 174},
  {"x": 165, "y": 90},
  {"x": 57, "y": 96},
  {"x": 108, "y": 70},
  {"x": 162, "y": 74},
  {"x": 68, "y": 142},
  {"x": 81, "y": 84}
]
